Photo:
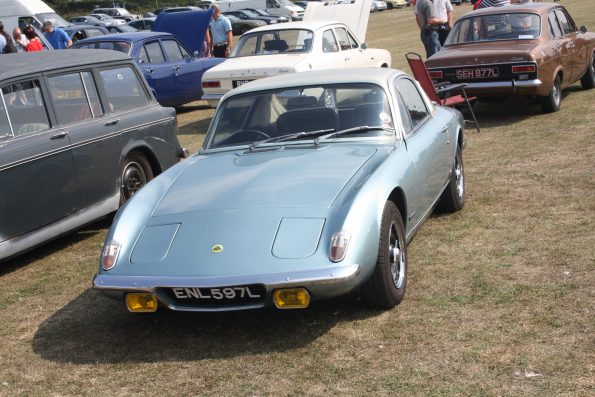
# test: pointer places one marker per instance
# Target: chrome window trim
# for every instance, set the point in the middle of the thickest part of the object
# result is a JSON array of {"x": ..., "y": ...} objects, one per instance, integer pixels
[{"x": 6, "y": 112}]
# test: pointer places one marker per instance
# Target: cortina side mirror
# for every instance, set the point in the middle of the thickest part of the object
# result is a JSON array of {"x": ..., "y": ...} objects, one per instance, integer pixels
[
  {"x": 583, "y": 29},
  {"x": 363, "y": 46}
]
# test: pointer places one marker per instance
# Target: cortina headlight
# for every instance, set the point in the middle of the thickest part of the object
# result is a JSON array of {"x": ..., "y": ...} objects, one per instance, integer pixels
[
  {"x": 110, "y": 254},
  {"x": 339, "y": 244}
]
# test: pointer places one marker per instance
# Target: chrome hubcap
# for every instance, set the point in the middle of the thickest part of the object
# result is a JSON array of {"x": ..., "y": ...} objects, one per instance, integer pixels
[
  {"x": 556, "y": 93},
  {"x": 396, "y": 257},
  {"x": 460, "y": 180},
  {"x": 133, "y": 178}
]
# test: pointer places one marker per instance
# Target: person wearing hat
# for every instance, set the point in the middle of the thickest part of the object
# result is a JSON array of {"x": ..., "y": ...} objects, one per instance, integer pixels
[{"x": 58, "y": 38}]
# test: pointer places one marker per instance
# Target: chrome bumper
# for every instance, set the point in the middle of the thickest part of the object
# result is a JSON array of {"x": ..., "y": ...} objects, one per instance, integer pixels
[
  {"x": 511, "y": 85},
  {"x": 322, "y": 283}
]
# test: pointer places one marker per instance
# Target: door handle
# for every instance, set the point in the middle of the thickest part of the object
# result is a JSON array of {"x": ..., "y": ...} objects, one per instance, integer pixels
[
  {"x": 175, "y": 68},
  {"x": 444, "y": 130},
  {"x": 149, "y": 70},
  {"x": 347, "y": 59},
  {"x": 59, "y": 135},
  {"x": 113, "y": 122}
]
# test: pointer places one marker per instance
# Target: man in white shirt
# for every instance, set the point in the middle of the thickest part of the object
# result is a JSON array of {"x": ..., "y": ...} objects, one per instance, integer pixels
[{"x": 434, "y": 18}]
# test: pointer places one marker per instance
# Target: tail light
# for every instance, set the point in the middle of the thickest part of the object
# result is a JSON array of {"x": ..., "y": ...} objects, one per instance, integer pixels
[
  {"x": 110, "y": 254},
  {"x": 523, "y": 69},
  {"x": 211, "y": 84},
  {"x": 435, "y": 74},
  {"x": 339, "y": 244}
]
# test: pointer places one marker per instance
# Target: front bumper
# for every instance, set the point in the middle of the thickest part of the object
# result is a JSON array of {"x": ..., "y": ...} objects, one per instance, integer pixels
[{"x": 321, "y": 284}]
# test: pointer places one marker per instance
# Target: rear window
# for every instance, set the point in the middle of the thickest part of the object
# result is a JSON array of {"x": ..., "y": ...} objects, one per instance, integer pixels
[
  {"x": 493, "y": 27},
  {"x": 123, "y": 89}
]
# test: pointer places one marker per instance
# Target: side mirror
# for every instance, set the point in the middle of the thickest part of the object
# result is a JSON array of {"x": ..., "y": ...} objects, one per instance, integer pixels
[
  {"x": 583, "y": 29},
  {"x": 363, "y": 46}
]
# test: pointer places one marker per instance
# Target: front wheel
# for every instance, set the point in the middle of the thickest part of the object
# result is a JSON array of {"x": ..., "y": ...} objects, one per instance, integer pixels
[
  {"x": 551, "y": 102},
  {"x": 453, "y": 196},
  {"x": 386, "y": 287},
  {"x": 588, "y": 79},
  {"x": 136, "y": 172}
]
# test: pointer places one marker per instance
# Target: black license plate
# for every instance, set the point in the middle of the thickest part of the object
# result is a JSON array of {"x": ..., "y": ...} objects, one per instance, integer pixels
[
  {"x": 242, "y": 294},
  {"x": 237, "y": 83},
  {"x": 479, "y": 73}
]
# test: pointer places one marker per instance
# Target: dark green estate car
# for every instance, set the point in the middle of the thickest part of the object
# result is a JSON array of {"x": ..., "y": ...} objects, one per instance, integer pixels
[{"x": 80, "y": 132}]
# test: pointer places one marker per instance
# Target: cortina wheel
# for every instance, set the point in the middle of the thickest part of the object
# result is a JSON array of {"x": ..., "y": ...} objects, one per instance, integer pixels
[{"x": 136, "y": 172}]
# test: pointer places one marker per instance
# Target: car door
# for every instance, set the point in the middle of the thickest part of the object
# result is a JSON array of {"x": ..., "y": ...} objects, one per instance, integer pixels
[
  {"x": 350, "y": 49},
  {"x": 577, "y": 44},
  {"x": 95, "y": 138},
  {"x": 426, "y": 143},
  {"x": 187, "y": 71},
  {"x": 36, "y": 167},
  {"x": 332, "y": 56},
  {"x": 157, "y": 71},
  {"x": 564, "y": 45}
]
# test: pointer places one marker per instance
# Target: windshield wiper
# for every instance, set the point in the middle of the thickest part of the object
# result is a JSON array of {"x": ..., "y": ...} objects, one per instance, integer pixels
[
  {"x": 355, "y": 130},
  {"x": 292, "y": 136}
]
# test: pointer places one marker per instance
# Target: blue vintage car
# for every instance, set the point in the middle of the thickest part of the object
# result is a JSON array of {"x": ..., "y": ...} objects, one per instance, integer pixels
[
  {"x": 307, "y": 187},
  {"x": 172, "y": 71}
]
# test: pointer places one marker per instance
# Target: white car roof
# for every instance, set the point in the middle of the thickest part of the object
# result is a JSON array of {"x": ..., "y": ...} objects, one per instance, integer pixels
[{"x": 378, "y": 76}]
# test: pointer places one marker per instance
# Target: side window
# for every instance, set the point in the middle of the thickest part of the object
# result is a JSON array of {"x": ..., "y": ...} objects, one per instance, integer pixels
[
  {"x": 93, "y": 32},
  {"x": 5, "y": 131},
  {"x": 123, "y": 88},
  {"x": 142, "y": 55},
  {"x": 25, "y": 107},
  {"x": 329, "y": 43},
  {"x": 352, "y": 41},
  {"x": 69, "y": 98},
  {"x": 154, "y": 52},
  {"x": 564, "y": 23},
  {"x": 92, "y": 96},
  {"x": 172, "y": 50},
  {"x": 343, "y": 38},
  {"x": 413, "y": 101},
  {"x": 404, "y": 114},
  {"x": 555, "y": 30}
]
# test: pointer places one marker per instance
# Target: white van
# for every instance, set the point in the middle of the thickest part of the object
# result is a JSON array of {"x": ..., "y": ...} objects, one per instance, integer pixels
[{"x": 21, "y": 13}]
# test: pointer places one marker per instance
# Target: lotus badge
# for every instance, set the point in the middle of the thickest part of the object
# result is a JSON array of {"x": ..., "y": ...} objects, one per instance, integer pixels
[{"x": 217, "y": 248}]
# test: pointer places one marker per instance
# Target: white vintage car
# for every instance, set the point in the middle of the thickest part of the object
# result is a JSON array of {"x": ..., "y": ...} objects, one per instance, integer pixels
[{"x": 338, "y": 41}]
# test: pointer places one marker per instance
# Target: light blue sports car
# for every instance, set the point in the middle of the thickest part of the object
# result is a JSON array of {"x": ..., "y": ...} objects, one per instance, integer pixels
[{"x": 307, "y": 187}]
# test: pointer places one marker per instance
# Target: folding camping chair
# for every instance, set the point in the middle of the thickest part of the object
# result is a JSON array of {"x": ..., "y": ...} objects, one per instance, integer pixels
[{"x": 420, "y": 72}]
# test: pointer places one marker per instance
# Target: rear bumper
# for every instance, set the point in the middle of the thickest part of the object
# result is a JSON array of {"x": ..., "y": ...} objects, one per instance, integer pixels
[
  {"x": 506, "y": 88},
  {"x": 321, "y": 284},
  {"x": 212, "y": 99}
]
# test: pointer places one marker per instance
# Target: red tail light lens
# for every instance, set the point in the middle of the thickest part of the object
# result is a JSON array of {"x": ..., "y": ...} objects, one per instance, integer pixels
[
  {"x": 523, "y": 69},
  {"x": 435, "y": 74},
  {"x": 211, "y": 84}
]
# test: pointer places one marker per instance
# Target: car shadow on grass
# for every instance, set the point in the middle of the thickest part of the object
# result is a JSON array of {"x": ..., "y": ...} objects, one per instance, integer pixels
[
  {"x": 94, "y": 329},
  {"x": 55, "y": 246}
]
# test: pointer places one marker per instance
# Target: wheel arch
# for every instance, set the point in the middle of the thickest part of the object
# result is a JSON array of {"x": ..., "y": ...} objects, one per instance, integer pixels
[
  {"x": 149, "y": 155},
  {"x": 397, "y": 197}
]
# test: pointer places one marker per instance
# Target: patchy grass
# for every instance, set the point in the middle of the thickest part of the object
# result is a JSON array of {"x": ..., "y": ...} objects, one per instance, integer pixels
[{"x": 499, "y": 301}]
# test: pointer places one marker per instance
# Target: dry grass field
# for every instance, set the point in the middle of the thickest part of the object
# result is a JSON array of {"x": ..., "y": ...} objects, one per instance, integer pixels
[{"x": 500, "y": 297}]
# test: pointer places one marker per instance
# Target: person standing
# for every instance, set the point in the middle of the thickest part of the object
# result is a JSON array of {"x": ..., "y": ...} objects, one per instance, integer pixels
[
  {"x": 434, "y": 19},
  {"x": 6, "y": 44},
  {"x": 58, "y": 38},
  {"x": 20, "y": 41},
  {"x": 493, "y": 3},
  {"x": 221, "y": 34},
  {"x": 34, "y": 42}
]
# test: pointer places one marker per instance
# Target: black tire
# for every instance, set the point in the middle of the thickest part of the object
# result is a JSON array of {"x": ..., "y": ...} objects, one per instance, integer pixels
[
  {"x": 386, "y": 287},
  {"x": 588, "y": 79},
  {"x": 453, "y": 196},
  {"x": 389, "y": 6},
  {"x": 551, "y": 102},
  {"x": 135, "y": 172}
]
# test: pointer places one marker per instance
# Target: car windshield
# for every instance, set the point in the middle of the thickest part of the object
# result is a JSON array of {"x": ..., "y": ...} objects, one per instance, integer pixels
[
  {"x": 122, "y": 46},
  {"x": 249, "y": 13},
  {"x": 284, "y": 2},
  {"x": 492, "y": 27},
  {"x": 307, "y": 112},
  {"x": 56, "y": 19},
  {"x": 274, "y": 42}
]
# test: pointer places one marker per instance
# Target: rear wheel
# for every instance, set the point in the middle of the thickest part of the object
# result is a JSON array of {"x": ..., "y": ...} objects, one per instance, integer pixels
[
  {"x": 136, "y": 172},
  {"x": 386, "y": 287},
  {"x": 453, "y": 197},
  {"x": 551, "y": 103},
  {"x": 588, "y": 80}
]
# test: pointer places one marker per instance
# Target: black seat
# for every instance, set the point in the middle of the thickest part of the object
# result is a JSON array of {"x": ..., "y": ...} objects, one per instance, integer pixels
[
  {"x": 276, "y": 45},
  {"x": 363, "y": 114},
  {"x": 303, "y": 101},
  {"x": 300, "y": 120}
]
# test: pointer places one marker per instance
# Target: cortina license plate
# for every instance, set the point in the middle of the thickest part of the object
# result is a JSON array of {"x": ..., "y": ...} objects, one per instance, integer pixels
[
  {"x": 237, "y": 83},
  {"x": 220, "y": 294},
  {"x": 479, "y": 73}
]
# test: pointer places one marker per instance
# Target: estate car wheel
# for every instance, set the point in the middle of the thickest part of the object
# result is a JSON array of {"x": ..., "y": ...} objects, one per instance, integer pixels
[
  {"x": 386, "y": 287},
  {"x": 136, "y": 172},
  {"x": 551, "y": 103},
  {"x": 588, "y": 80},
  {"x": 453, "y": 196}
]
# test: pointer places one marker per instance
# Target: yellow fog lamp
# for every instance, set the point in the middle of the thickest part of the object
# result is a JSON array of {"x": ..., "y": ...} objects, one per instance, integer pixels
[
  {"x": 291, "y": 298},
  {"x": 141, "y": 302}
]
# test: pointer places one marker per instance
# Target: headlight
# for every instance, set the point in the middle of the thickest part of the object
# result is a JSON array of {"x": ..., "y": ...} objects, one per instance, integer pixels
[
  {"x": 110, "y": 254},
  {"x": 339, "y": 244}
]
